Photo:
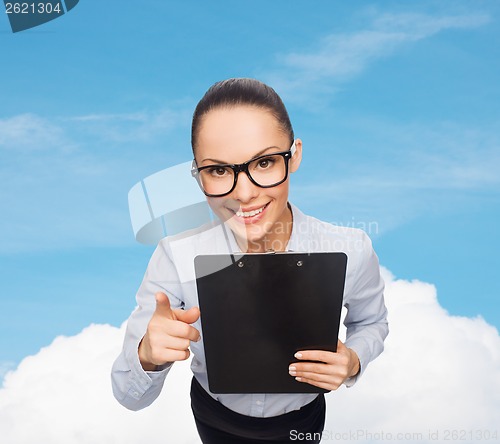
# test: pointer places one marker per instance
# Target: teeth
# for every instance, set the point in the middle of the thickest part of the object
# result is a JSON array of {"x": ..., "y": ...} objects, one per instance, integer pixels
[{"x": 249, "y": 213}]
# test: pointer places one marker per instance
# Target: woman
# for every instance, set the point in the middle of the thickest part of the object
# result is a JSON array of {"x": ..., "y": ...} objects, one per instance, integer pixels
[{"x": 244, "y": 149}]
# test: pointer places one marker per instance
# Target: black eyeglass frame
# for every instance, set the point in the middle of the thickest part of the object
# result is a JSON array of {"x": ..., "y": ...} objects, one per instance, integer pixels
[{"x": 243, "y": 167}]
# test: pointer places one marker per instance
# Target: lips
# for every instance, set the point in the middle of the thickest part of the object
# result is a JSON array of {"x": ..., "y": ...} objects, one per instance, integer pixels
[{"x": 249, "y": 215}]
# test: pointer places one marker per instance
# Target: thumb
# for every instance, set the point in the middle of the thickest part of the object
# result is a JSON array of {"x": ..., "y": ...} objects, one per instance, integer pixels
[
  {"x": 188, "y": 316},
  {"x": 163, "y": 305},
  {"x": 340, "y": 346}
]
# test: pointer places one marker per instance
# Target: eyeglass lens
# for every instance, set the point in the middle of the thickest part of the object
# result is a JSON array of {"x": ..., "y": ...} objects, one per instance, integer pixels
[{"x": 265, "y": 171}]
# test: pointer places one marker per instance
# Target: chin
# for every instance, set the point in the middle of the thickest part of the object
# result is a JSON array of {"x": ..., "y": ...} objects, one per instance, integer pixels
[{"x": 252, "y": 237}]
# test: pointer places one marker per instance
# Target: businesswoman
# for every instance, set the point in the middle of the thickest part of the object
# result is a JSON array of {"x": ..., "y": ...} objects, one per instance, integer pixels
[{"x": 244, "y": 152}]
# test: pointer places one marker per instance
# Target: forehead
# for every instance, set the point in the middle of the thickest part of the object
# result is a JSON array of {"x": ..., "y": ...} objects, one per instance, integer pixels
[{"x": 235, "y": 134}]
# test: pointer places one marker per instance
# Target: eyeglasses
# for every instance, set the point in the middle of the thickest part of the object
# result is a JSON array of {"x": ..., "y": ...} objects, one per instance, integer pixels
[{"x": 264, "y": 171}]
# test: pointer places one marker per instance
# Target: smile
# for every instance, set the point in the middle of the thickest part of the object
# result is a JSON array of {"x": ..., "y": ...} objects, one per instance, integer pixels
[{"x": 251, "y": 213}]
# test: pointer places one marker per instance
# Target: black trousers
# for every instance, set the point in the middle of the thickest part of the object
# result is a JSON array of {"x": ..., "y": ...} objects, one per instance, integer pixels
[{"x": 219, "y": 425}]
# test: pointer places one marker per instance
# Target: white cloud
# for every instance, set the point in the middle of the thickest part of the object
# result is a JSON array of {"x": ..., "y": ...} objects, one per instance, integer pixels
[
  {"x": 439, "y": 372},
  {"x": 63, "y": 395},
  {"x": 135, "y": 127},
  {"x": 416, "y": 25},
  {"x": 132, "y": 117},
  {"x": 32, "y": 133},
  {"x": 5, "y": 367},
  {"x": 340, "y": 56}
]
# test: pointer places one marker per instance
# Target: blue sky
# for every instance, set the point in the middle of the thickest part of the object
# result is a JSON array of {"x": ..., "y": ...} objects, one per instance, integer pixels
[{"x": 397, "y": 104}]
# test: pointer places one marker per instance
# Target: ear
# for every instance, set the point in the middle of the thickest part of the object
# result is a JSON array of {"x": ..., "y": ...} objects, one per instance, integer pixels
[{"x": 297, "y": 157}]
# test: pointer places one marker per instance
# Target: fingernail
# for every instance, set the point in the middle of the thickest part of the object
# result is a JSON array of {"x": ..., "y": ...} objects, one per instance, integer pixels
[
  {"x": 298, "y": 355},
  {"x": 292, "y": 368},
  {"x": 298, "y": 378},
  {"x": 199, "y": 339}
]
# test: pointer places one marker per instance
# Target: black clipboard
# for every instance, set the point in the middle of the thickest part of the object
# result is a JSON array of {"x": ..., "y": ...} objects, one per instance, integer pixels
[{"x": 258, "y": 310}]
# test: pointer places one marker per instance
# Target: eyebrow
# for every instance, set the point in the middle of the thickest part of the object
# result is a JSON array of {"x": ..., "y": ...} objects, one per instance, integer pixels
[{"x": 260, "y": 153}]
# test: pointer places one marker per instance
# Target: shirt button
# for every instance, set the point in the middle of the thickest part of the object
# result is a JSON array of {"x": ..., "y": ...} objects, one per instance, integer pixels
[
  {"x": 135, "y": 394},
  {"x": 259, "y": 402}
]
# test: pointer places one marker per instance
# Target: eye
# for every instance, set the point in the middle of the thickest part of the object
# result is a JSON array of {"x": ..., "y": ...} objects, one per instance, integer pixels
[
  {"x": 265, "y": 163},
  {"x": 217, "y": 171}
]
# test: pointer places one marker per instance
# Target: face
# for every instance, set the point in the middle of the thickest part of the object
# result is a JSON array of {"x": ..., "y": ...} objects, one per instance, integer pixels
[{"x": 259, "y": 217}]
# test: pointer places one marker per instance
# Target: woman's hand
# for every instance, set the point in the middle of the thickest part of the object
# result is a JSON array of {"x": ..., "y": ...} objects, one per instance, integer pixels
[
  {"x": 168, "y": 335},
  {"x": 332, "y": 370}
]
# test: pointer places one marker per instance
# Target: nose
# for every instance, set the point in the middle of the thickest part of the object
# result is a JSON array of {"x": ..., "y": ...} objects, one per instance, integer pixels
[{"x": 245, "y": 190}]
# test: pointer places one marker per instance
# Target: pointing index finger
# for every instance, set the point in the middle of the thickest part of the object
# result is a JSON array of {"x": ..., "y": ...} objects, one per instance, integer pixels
[{"x": 163, "y": 305}]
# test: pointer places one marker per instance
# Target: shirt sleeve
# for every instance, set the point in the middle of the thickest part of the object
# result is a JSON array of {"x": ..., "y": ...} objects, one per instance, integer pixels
[
  {"x": 133, "y": 387},
  {"x": 366, "y": 319}
]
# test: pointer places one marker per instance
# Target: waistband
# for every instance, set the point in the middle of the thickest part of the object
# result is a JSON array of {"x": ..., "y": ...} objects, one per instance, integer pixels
[{"x": 309, "y": 419}]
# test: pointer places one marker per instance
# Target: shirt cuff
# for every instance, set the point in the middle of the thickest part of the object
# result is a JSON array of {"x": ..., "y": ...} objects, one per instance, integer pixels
[
  {"x": 362, "y": 350},
  {"x": 141, "y": 380}
]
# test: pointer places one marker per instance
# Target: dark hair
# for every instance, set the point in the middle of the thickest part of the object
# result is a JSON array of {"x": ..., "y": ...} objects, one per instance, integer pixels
[{"x": 242, "y": 91}]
